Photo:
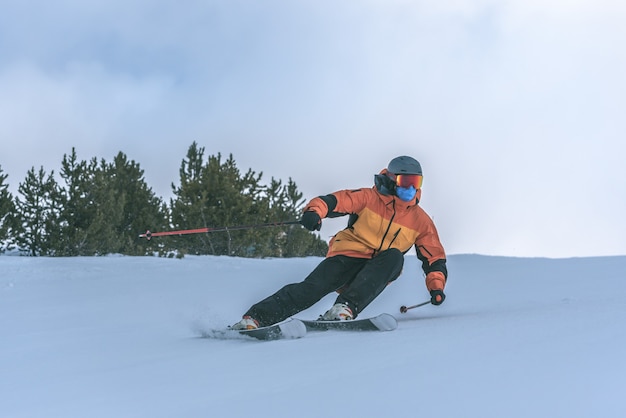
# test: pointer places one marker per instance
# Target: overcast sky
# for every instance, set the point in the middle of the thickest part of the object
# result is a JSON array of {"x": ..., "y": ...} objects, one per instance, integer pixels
[{"x": 515, "y": 108}]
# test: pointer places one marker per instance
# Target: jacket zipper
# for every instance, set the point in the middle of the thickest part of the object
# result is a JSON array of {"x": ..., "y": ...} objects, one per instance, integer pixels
[
  {"x": 382, "y": 241},
  {"x": 394, "y": 238}
]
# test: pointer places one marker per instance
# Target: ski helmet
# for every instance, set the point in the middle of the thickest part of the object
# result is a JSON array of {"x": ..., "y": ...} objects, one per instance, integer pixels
[{"x": 404, "y": 165}]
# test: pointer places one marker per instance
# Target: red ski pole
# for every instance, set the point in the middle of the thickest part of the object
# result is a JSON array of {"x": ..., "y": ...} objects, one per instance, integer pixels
[
  {"x": 403, "y": 308},
  {"x": 149, "y": 234}
]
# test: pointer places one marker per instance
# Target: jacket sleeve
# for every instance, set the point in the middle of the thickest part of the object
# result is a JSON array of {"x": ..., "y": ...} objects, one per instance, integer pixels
[
  {"x": 338, "y": 203},
  {"x": 433, "y": 257},
  {"x": 318, "y": 205}
]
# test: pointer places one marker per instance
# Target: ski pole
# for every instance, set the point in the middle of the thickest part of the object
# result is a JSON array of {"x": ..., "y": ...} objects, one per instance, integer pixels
[
  {"x": 147, "y": 235},
  {"x": 403, "y": 308}
]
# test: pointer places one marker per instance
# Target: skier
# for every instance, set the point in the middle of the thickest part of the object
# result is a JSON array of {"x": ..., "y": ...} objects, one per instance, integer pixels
[{"x": 385, "y": 222}]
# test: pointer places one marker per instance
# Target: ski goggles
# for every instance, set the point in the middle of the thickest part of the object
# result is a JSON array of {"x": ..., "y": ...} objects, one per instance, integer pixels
[{"x": 408, "y": 180}]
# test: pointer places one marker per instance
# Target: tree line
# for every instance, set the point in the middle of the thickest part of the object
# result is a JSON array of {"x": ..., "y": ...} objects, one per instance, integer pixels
[{"x": 101, "y": 207}]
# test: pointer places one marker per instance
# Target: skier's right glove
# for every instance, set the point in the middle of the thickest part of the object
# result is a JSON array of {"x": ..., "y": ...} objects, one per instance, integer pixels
[
  {"x": 311, "y": 221},
  {"x": 437, "y": 297}
]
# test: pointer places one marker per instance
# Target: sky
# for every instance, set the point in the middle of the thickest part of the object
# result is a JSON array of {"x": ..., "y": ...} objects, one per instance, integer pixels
[
  {"x": 513, "y": 107},
  {"x": 119, "y": 337}
]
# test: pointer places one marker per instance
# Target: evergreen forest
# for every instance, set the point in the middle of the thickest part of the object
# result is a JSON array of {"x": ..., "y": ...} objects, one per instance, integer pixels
[{"x": 99, "y": 207}]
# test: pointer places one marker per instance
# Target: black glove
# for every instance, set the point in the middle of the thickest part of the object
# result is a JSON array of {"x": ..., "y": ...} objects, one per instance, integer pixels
[
  {"x": 311, "y": 221},
  {"x": 437, "y": 297}
]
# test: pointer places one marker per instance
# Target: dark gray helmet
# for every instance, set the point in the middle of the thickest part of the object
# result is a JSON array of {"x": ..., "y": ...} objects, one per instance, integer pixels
[{"x": 404, "y": 165}]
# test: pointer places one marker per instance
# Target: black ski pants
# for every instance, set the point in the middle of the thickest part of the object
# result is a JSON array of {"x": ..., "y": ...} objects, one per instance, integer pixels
[{"x": 359, "y": 281}]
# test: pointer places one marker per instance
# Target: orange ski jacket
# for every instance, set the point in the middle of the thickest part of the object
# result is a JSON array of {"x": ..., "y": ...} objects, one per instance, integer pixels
[{"x": 380, "y": 221}]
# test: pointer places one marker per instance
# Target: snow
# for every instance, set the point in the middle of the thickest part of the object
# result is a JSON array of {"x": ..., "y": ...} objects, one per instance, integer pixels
[{"x": 119, "y": 337}]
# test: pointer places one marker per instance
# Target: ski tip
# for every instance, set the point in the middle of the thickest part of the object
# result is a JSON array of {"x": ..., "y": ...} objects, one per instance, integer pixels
[
  {"x": 385, "y": 322},
  {"x": 288, "y": 329},
  {"x": 285, "y": 330},
  {"x": 293, "y": 328}
]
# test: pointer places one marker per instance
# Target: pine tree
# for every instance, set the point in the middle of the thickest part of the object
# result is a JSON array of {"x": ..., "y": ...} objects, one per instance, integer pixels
[
  {"x": 189, "y": 207},
  {"x": 217, "y": 194},
  {"x": 286, "y": 203},
  {"x": 231, "y": 201},
  {"x": 102, "y": 209},
  {"x": 140, "y": 207},
  {"x": 78, "y": 207},
  {"x": 7, "y": 213},
  {"x": 214, "y": 194},
  {"x": 38, "y": 213},
  {"x": 108, "y": 212}
]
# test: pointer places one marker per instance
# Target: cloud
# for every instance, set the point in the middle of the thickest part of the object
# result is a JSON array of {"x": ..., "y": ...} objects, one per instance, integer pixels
[
  {"x": 503, "y": 102},
  {"x": 43, "y": 115}
]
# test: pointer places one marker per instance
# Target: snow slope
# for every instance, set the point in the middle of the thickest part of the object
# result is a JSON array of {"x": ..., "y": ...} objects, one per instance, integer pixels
[{"x": 118, "y": 337}]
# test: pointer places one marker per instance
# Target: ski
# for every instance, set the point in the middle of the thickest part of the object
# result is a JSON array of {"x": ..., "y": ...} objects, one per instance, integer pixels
[
  {"x": 297, "y": 328},
  {"x": 291, "y": 328},
  {"x": 382, "y": 322}
]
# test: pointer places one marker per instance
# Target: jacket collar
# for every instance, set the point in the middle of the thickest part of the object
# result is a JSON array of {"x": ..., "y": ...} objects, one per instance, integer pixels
[{"x": 386, "y": 187}]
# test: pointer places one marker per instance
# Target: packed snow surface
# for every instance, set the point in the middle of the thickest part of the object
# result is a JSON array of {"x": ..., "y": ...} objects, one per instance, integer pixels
[{"x": 120, "y": 337}]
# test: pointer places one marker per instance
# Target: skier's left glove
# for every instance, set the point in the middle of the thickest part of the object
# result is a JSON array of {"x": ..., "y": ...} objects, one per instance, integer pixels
[{"x": 437, "y": 297}]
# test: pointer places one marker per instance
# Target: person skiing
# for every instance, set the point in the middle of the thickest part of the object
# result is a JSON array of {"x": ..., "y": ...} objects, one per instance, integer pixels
[{"x": 385, "y": 221}]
